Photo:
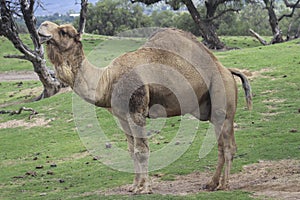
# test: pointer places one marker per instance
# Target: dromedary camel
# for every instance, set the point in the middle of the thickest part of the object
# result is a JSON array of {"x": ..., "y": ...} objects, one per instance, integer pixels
[{"x": 172, "y": 74}]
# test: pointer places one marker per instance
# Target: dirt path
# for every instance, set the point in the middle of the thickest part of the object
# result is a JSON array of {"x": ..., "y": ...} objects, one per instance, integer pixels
[
  {"x": 18, "y": 76},
  {"x": 272, "y": 179}
]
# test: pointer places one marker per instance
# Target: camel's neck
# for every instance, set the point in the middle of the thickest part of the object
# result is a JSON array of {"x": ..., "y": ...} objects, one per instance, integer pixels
[{"x": 90, "y": 84}]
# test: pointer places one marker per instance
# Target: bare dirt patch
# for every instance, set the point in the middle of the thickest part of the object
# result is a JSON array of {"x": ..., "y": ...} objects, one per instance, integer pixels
[
  {"x": 18, "y": 76},
  {"x": 275, "y": 179},
  {"x": 254, "y": 74},
  {"x": 27, "y": 124}
]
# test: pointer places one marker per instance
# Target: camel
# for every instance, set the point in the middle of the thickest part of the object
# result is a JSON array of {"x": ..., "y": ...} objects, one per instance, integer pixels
[{"x": 172, "y": 74}]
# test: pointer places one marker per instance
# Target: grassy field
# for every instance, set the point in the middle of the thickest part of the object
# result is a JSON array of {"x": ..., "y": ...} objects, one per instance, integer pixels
[{"x": 50, "y": 162}]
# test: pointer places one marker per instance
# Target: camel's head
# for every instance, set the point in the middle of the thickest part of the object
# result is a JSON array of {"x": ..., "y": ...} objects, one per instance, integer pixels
[
  {"x": 63, "y": 37},
  {"x": 64, "y": 49}
]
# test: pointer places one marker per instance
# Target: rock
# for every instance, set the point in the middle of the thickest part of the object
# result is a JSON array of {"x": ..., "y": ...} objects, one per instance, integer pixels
[
  {"x": 293, "y": 130},
  {"x": 96, "y": 158},
  {"x": 61, "y": 180},
  {"x": 108, "y": 145},
  {"x": 235, "y": 125},
  {"x": 31, "y": 173},
  {"x": 50, "y": 172},
  {"x": 53, "y": 165}
]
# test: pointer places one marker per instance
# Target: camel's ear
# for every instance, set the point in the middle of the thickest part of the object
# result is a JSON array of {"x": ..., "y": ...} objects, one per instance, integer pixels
[
  {"x": 71, "y": 31},
  {"x": 78, "y": 37}
]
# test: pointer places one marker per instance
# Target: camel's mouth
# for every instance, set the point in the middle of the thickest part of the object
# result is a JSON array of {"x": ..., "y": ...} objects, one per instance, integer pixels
[{"x": 44, "y": 38}]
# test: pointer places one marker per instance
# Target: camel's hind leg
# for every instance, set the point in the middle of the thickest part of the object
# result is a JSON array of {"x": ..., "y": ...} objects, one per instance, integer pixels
[
  {"x": 226, "y": 151},
  {"x": 229, "y": 149}
]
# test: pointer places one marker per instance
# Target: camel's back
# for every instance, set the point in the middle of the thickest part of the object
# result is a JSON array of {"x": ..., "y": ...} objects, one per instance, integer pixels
[
  {"x": 185, "y": 45},
  {"x": 152, "y": 64}
]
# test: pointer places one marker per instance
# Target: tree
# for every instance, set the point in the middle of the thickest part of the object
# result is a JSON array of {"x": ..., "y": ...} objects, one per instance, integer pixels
[
  {"x": 25, "y": 9},
  {"x": 10, "y": 11},
  {"x": 274, "y": 20},
  {"x": 109, "y": 17},
  {"x": 204, "y": 23}
]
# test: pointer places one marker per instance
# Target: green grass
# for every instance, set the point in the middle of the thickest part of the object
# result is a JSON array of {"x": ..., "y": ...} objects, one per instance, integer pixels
[
  {"x": 263, "y": 133},
  {"x": 240, "y": 41}
]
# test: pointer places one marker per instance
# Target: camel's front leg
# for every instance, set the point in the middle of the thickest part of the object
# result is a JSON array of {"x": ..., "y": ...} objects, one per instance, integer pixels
[
  {"x": 139, "y": 150},
  {"x": 141, "y": 153},
  {"x": 130, "y": 143}
]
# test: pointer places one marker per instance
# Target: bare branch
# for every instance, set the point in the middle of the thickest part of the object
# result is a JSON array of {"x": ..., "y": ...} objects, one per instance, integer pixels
[
  {"x": 16, "y": 56},
  {"x": 222, "y": 13},
  {"x": 9, "y": 29},
  {"x": 30, "y": 21},
  {"x": 147, "y": 2},
  {"x": 33, "y": 112},
  {"x": 293, "y": 6},
  {"x": 257, "y": 36}
]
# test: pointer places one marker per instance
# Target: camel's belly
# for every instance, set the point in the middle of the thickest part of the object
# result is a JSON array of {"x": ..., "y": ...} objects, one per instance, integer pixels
[{"x": 166, "y": 103}]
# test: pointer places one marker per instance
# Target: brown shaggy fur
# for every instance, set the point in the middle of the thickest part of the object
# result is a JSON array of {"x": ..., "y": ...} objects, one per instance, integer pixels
[{"x": 173, "y": 70}]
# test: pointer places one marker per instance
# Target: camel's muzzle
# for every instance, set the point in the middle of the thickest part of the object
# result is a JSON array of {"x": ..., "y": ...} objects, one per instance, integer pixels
[{"x": 44, "y": 38}]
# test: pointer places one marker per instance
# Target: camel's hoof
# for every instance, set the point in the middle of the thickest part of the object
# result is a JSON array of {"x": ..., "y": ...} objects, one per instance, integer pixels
[
  {"x": 210, "y": 186},
  {"x": 132, "y": 188},
  {"x": 223, "y": 187},
  {"x": 140, "y": 190}
]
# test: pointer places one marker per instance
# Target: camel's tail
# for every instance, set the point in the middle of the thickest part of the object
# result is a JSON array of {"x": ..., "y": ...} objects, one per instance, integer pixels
[{"x": 246, "y": 86}]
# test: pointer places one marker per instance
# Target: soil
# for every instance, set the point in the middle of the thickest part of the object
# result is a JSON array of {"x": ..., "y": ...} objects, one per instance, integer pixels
[
  {"x": 27, "y": 124},
  {"x": 18, "y": 76},
  {"x": 266, "y": 179}
]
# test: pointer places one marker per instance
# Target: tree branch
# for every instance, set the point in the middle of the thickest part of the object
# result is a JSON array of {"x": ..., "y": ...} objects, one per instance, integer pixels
[
  {"x": 293, "y": 6},
  {"x": 147, "y": 2},
  {"x": 33, "y": 112},
  {"x": 30, "y": 21},
  {"x": 257, "y": 36},
  {"x": 222, "y": 13},
  {"x": 16, "y": 56},
  {"x": 9, "y": 30}
]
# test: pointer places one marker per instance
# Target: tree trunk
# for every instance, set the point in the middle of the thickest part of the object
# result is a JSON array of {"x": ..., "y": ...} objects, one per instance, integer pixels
[
  {"x": 51, "y": 84},
  {"x": 277, "y": 34},
  {"x": 207, "y": 30}
]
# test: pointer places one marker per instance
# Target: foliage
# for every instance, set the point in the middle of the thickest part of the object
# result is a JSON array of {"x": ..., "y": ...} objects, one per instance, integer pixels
[
  {"x": 252, "y": 16},
  {"x": 109, "y": 17},
  {"x": 56, "y": 18}
]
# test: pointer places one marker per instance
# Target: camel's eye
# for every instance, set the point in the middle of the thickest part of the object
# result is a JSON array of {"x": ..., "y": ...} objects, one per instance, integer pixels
[{"x": 62, "y": 32}]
